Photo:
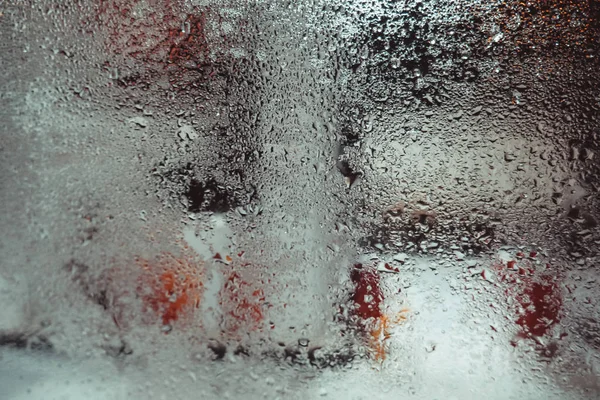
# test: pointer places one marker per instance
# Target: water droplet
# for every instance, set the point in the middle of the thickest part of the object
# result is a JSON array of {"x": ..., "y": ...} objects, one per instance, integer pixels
[
  {"x": 509, "y": 157},
  {"x": 139, "y": 121},
  {"x": 430, "y": 347},
  {"x": 187, "y": 132}
]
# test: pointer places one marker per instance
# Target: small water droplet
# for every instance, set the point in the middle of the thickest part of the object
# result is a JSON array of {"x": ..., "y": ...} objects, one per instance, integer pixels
[{"x": 509, "y": 157}]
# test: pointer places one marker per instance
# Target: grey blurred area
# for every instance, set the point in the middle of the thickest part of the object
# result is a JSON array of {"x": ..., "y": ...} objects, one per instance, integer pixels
[{"x": 187, "y": 186}]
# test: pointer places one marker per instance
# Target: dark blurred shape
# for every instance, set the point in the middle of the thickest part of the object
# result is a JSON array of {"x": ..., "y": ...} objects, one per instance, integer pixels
[{"x": 209, "y": 196}]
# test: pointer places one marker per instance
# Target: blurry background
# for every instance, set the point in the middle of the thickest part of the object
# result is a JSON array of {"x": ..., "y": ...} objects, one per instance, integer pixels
[{"x": 187, "y": 186}]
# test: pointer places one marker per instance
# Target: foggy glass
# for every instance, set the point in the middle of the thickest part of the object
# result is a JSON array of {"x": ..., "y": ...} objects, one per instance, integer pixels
[{"x": 299, "y": 199}]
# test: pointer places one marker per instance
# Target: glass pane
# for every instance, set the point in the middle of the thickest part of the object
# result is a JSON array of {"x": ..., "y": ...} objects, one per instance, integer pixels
[{"x": 300, "y": 199}]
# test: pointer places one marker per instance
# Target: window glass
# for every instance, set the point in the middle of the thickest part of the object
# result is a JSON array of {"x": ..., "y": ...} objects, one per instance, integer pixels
[{"x": 299, "y": 199}]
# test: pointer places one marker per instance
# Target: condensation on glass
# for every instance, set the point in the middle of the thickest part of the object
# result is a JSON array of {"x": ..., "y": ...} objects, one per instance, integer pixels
[{"x": 300, "y": 199}]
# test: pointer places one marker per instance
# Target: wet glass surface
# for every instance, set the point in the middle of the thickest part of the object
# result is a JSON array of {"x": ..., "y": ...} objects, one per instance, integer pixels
[{"x": 300, "y": 199}]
